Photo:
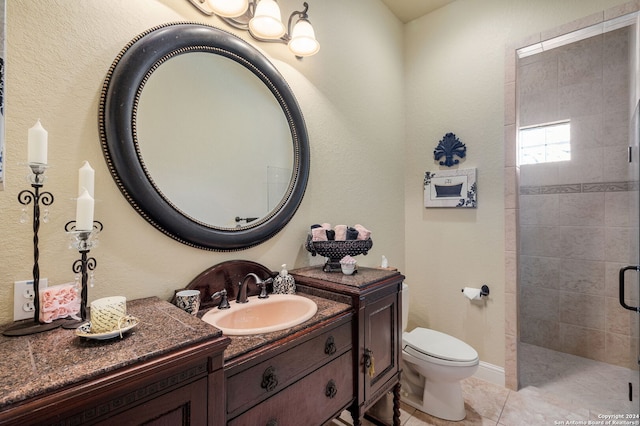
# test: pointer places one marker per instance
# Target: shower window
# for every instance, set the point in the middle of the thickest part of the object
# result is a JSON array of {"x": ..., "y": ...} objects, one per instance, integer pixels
[{"x": 545, "y": 143}]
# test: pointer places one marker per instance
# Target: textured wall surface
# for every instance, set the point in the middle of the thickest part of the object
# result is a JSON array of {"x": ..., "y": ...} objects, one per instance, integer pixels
[
  {"x": 455, "y": 75},
  {"x": 377, "y": 99},
  {"x": 350, "y": 94}
]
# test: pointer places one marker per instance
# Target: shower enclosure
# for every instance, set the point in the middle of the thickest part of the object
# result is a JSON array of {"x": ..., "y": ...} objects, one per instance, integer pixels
[{"x": 578, "y": 217}]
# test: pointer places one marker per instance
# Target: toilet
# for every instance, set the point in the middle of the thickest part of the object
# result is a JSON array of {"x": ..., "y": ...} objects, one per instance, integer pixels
[{"x": 433, "y": 364}]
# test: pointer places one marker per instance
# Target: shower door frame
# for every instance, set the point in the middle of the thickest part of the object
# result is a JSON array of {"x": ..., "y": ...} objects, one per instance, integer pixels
[{"x": 511, "y": 175}]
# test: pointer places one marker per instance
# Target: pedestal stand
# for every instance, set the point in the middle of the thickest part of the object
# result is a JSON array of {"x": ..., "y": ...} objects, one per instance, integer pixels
[
  {"x": 26, "y": 197},
  {"x": 84, "y": 242}
]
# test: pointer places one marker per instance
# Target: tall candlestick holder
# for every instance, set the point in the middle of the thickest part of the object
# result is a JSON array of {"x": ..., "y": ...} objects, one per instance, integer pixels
[
  {"x": 84, "y": 241},
  {"x": 35, "y": 197}
]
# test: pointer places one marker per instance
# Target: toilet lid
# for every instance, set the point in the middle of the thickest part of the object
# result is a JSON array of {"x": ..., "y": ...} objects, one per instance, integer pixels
[{"x": 439, "y": 345}]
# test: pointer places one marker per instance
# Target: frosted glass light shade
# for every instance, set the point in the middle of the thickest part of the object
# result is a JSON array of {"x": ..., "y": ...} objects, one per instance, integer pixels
[
  {"x": 303, "y": 39},
  {"x": 229, "y": 8},
  {"x": 266, "y": 21}
]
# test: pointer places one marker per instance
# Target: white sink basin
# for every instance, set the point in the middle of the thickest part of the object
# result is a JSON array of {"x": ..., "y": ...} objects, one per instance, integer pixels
[{"x": 278, "y": 312}]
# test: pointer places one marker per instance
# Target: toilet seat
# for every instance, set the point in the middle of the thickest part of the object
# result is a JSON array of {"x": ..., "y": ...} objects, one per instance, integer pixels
[{"x": 434, "y": 346}]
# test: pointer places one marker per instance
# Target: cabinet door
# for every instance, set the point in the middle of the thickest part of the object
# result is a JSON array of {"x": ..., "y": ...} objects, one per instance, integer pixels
[
  {"x": 380, "y": 361},
  {"x": 184, "y": 406}
]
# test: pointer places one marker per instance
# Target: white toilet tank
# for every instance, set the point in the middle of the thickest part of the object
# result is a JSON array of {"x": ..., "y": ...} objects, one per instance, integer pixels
[{"x": 405, "y": 306}]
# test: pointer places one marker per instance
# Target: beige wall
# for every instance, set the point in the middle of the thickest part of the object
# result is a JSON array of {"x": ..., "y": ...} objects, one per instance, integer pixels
[
  {"x": 441, "y": 73},
  {"x": 350, "y": 94},
  {"x": 455, "y": 74}
]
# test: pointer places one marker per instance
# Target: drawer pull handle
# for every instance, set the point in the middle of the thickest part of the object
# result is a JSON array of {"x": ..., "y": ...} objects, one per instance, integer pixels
[
  {"x": 269, "y": 379},
  {"x": 369, "y": 362},
  {"x": 272, "y": 422},
  {"x": 330, "y": 346},
  {"x": 331, "y": 390}
]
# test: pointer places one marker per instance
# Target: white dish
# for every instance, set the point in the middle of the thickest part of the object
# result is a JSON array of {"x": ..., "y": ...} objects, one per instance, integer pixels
[{"x": 85, "y": 330}]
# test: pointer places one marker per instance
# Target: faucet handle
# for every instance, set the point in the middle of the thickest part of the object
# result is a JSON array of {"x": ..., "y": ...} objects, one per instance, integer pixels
[
  {"x": 263, "y": 288},
  {"x": 224, "y": 302}
]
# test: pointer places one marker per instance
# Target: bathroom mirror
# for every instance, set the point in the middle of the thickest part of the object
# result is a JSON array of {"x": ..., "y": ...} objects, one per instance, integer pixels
[{"x": 204, "y": 137}]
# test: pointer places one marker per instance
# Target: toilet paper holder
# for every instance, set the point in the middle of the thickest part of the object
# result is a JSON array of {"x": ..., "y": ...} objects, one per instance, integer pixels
[{"x": 484, "y": 290}]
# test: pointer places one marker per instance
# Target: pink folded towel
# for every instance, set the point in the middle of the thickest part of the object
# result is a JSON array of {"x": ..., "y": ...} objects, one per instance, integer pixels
[
  {"x": 326, "y": 226},
  {"x": 319, "y": 234},
  {"x": 341, "y": 232},
  {"x": 363, "y": 233}
]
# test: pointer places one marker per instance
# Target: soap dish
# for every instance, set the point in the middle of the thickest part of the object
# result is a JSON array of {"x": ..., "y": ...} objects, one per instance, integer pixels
[{"x": 85, "y": 330}]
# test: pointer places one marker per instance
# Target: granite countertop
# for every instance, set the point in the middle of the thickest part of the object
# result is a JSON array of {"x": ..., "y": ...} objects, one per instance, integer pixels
[
  {"x": 38, "y": 363},
  {"x": 363, "y": 277},
  {"x": 43, "y": 362}
]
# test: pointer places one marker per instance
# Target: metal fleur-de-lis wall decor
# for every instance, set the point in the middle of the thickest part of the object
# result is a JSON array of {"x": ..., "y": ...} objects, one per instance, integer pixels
[{"x": 449, "y": 146}]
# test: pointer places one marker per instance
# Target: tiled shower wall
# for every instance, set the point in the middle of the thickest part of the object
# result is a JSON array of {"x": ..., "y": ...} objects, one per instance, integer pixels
[{"x": 577, "y": 224}]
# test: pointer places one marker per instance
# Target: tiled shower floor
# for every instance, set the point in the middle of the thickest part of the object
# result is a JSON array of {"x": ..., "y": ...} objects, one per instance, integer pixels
[
  {"x": 557, "y": 388},
  {"x": 595, "y": 385}
]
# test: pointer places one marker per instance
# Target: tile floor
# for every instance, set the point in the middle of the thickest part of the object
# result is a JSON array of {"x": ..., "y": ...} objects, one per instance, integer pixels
[
  {"x": 601, "y": 387},
  {"x": 581, "y": 396}
]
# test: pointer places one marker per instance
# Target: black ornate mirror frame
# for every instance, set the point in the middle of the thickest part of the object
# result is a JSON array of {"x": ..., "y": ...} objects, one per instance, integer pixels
[{"x": 117, "y": 121}]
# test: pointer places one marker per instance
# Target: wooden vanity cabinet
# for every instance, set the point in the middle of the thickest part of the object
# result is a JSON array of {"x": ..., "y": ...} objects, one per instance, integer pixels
[
  {"x": 177, "y": 388},
  {"x": 303, "y": 379},
  {"x": 376, "y": 298}
]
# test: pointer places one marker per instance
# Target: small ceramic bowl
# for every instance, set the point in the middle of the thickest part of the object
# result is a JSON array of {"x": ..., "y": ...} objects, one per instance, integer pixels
[{"x": 348, "y": 268}]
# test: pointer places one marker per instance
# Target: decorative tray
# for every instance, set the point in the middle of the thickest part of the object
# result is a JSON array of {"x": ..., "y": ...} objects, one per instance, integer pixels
[
  {"x": 85, "y": 330},
  {"x": 336, "y": 250}
]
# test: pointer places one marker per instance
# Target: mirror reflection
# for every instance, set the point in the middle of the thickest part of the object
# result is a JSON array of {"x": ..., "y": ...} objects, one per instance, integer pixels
[
  {"x": 209, "y": 130},
  {"x": 197, "y": 128}
]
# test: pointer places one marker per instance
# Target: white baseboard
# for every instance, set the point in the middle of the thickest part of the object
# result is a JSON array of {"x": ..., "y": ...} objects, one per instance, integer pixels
[{"x": 490, "y": 373}]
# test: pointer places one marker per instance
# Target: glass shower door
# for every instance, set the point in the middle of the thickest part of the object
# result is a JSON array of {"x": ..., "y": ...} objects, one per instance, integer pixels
[
  {"x": 635, "y": 141},
  {"x": 579, "y": 218},
  {"x": 629, "y": 278}
]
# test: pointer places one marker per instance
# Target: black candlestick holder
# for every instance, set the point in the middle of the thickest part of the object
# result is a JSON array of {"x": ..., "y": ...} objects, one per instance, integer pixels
[
  {"x": 35, "y": 197},
  {"x": 84, "y": 241}
]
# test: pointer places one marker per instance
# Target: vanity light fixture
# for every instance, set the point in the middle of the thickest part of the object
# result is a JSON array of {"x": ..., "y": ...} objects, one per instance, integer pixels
[
  {"x": 262, "y": 19},
  {"x": 229, "y": 8},
  {"x": 266, "y": 22}
]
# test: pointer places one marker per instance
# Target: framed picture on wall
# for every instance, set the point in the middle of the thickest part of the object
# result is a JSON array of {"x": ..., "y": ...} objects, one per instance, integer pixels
[{"x": 450, "y": 188}]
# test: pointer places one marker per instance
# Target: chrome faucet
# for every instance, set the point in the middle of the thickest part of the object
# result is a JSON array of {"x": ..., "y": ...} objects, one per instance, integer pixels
[{"x": 242, "y": 287}]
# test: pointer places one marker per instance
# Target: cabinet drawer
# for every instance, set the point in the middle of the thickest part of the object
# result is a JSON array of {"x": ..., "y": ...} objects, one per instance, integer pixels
[
  {"x": 311, "y": 401},
  {"x": 248, "y": 387}
]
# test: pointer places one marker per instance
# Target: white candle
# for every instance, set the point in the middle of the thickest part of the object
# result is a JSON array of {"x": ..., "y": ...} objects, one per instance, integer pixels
[
  {"x": 86, "y": 178},
  {"x": 106, "y": 313},
  {"x": 84, "y": 212},
  {"x": 37, "y": 144}
]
